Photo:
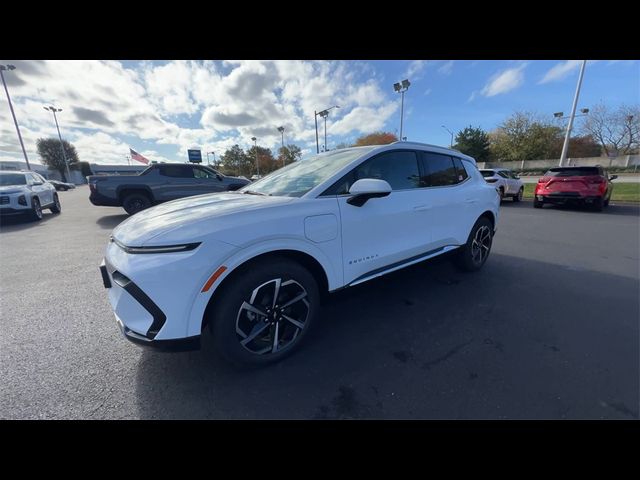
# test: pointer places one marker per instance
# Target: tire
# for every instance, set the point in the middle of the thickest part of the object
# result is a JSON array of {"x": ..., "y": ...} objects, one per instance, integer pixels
[
  {"x": 234, "y": 317},
  {"x": 469, "y": 258},
  {"x": 518, "y": 196},
  {"x": 135, "y": 202},
  {"x": 606, "y": 202},
  {"x": 56, "y": 208},
  {"x": 36, "y": 209},
  {"x": 598, "y": 205},
  {"x": 537, "y": 203}
]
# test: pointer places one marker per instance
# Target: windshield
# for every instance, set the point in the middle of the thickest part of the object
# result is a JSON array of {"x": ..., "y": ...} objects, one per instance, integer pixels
[
  {"x": 7, "y": 179},
  {"x": 487, "y": 173},
  {"x": 298, "y": 178},
  {"x": 572, "y": 172}
]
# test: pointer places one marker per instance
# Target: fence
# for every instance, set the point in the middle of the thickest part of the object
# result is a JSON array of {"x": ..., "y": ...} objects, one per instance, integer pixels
[{"x": 623, "y": 161}]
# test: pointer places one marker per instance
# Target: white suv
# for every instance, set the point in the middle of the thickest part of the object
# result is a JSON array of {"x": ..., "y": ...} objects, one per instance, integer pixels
[
  {"x": 26, "y": 193},
  {"x": 252, "y": 264},
  {"x": 507, "y": 183}
]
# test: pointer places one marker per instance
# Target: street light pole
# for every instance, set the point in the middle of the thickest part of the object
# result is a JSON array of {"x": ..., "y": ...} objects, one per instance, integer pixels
[
  {"x": 281, "y": 130},
  {"x": 565, "y": 146},
  {"x": 315, "y": 116},
  {"x": 324, "y": 114},
  {"x": 255, "y": 144},
  {"x": 402, "y": 87},
  {"x": 24, "y": 152},
  {"x": 451, "y": 143},
  {"x": 64, "y": 155}
]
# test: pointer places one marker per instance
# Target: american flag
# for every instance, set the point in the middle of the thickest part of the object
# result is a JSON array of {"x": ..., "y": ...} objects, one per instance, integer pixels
[{"x": 136, "y": 156}]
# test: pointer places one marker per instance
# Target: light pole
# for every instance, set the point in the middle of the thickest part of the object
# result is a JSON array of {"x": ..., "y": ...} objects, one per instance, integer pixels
[
  {"x": 324, "y": 113},
  {"x": 255, "y": 144},
  {"x": 450, "y": 144},
  {"x": 281, "y": 130},
  {"x": 24, "y": 152},
  {"x": 53, "y": 110},
  {"x": 565, "y": 146},
  {"x": 401, "y": 87},
  {"x": 214, "y": 158}
]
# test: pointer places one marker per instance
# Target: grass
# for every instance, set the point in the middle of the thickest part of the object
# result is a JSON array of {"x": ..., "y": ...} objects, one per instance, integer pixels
[{"x": 622, "y": 192}]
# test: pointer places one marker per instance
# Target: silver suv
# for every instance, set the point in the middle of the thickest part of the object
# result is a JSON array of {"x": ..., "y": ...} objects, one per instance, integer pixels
[{"x": 26, "y": 193}]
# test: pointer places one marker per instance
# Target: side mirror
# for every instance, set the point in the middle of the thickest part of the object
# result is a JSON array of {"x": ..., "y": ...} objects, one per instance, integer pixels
[
  {"x": 613, "y": 177},
  {"x": 366, "y": 188},
  {"x": 37, "y": 183},
  {"x": 219, "y": 177}
]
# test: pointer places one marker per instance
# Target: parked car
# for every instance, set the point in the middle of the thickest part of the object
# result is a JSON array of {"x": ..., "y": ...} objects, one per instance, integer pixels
[
  {"x": 26, "y": 193},
  {"x": 506, "y": 182},
  {"x": 255, "y": 177},
  {"x": 158, "y": 183},
  {"x": 252, "y": 264},
  {"x": 61, "y": 186},
  {"x": 585, "y": 185}
]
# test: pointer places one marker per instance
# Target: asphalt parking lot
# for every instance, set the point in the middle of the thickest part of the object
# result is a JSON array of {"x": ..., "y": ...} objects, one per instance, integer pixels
[{"x": 547, "y": 330}]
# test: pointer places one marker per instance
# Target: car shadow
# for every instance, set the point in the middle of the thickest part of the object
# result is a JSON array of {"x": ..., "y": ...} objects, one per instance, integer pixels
[
  {"x": 16, "y": 223},
  {"x": 612, "y": 209},
  {"x": 109, "y": 222},
  {"x": 425, "y": 342}
]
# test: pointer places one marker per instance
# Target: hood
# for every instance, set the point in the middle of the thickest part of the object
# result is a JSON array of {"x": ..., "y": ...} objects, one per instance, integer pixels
[
  {"x": 8, "y": 189},
  {"x": 148, "y": 224}
]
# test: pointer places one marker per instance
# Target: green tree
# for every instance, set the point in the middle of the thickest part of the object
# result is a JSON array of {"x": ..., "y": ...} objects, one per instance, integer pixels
[
  {"x": 473, "y": 142},
  {"x": 51, "y": 155},
  {"x": 524, "y": 137},
  {"x": 236, "y": 162},
  {"x": 289, "y": 153},
  {"x": 376, "y": 138},
  {"x": 265, "y": 160}
]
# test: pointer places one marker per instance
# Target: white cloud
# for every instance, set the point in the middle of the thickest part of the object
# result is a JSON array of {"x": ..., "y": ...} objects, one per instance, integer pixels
[
  {"x": 504, "y": 81},
  {"x": 181, "y": 104},
  {"x": 427, "y": 91},
  {"x": 560, "y": 71},
  {"x": 446, "y": 68},
  {"x": 415, "y": 69}
]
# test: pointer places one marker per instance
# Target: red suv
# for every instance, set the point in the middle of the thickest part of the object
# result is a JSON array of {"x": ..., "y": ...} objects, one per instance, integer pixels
[{"x": 585, "y": 185}]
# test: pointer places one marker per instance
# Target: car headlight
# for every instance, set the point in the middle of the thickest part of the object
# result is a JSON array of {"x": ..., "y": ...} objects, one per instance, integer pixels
[
  {"x": 22, "y": 200},
  {"x": 185, "y": 247}
]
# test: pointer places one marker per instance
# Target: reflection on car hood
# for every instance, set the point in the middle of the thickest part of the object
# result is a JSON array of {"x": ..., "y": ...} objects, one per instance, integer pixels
[
  {"x": 13, "y": 189},
  {"x": 150, "y": 223}
]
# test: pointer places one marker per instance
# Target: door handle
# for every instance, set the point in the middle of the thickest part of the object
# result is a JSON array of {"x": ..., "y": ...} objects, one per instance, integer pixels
[
  {"x": 421, "y": 208},
  {"x": 470, "y": 200}
]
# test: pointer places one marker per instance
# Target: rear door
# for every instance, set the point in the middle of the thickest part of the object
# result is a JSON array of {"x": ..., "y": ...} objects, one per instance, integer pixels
[{"x": 179, "y": 181}]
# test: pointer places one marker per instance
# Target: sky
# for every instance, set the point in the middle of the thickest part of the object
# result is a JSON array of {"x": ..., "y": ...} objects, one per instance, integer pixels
[{"x": 163, "y": 108}]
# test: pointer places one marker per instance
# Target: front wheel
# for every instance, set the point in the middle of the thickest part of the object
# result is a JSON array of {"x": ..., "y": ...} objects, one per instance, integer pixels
[
  {"x": 56, "y": 208},
  {"x": 36, "y": 209},
  {"x": 264, "y": 311},
  {"x": 135, "y": 202},
  {"x": 518, "y": 197},
  {"x": 472, "y": 255}
]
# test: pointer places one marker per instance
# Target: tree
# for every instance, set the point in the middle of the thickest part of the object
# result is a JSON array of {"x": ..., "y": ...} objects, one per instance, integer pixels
[
  {"x": 473, "y": 142},
  {"x": 236, "y": 162},
  {"x": 377, "y": 138},
  {"x": 51, "y": 155},
  {"x": 525, "y": 137},
  {"x": 617, "y": 131},
  {"x": 265, "y": 160},
  {"x": 289, "y": 153},
  {"x": 582, "y": 146}
]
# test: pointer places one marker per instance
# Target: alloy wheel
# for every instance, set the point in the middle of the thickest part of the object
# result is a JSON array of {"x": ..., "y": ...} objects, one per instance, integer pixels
[
  {"x": 481, "y": 245},
  {"x": 272, "y": 319}
]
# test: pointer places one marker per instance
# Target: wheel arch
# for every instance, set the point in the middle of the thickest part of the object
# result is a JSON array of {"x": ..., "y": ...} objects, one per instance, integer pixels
[{"x": 123, "y": 191}]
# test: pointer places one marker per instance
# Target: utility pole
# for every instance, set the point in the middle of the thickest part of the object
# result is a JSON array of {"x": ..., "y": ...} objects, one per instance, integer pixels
[
  {"x": 565, "y": 146},
  {"x": 24, "y": 152}
]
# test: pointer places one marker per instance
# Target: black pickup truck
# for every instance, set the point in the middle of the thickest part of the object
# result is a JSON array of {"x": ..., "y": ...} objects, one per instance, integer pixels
[{"x": 158, "y": 183}]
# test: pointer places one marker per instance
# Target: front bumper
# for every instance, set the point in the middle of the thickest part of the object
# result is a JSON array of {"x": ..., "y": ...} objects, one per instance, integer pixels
[{"x": 14, "y": 211}]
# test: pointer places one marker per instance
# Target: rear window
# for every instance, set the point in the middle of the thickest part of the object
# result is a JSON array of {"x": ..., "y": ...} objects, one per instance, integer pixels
[
  {"x": 487, "y": 173},
  {"x": 572, "y": 172}
]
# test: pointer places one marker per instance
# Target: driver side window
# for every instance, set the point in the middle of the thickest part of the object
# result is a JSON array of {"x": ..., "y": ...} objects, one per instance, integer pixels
[{"x": 202, "y": 173}]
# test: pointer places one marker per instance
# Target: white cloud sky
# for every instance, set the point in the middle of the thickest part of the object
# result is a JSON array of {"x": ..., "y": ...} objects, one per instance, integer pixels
[
  {"x": 560, "y": 71},
  {"x": 504, "y": 81},
  {"x": 108, "y": 106},
  {"x": 446, "y": 68}
]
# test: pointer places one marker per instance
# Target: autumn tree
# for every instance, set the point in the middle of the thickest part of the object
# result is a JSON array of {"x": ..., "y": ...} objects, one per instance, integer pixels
[
  {"x": 616, "y": 130},
  {"x": 52, "y": 156},
  {"x": 265, "y": 160},
  {"x": 473, "y": 142},
  {"x": 236, "y": 162},
  {"x": 377, "y": 138},
  {"x": 523, "y": 136}
]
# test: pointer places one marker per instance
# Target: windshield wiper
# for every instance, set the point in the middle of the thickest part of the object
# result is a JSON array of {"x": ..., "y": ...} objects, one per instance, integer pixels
[{"x": 253, "y": 192}]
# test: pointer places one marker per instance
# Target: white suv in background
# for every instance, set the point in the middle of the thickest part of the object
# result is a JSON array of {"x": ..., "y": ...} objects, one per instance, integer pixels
[
  {"x": 252, "y": 264},
  {"x": 26, "y": 193},
  {"x": 505, "y": 181}
]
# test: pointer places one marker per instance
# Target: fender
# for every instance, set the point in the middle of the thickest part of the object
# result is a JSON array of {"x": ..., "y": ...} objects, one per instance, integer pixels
[
  {"x": 134, "y": 186},
  {"x": 244, "y": 254}
]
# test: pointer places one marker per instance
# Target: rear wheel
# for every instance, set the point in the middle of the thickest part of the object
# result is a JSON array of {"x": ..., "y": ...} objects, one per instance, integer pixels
[
  {"x": 518, "y": 197},
  {"x": 598, "y": 204},
  {"x": 264, "y": 312},
  {"x": 537, "y": 203},
  {"x": 501, "y": 193},
  {"x": 135, "y": 202},
  {"x": 56, "y": 208},
  {"x": 606, "y": 202},
  {"x": 474, "y": 253},
  {"x": 36, "y": 209}
]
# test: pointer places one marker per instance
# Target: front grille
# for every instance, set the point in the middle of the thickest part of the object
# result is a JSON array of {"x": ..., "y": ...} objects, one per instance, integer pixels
[{"x": 4, "y": 200}]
